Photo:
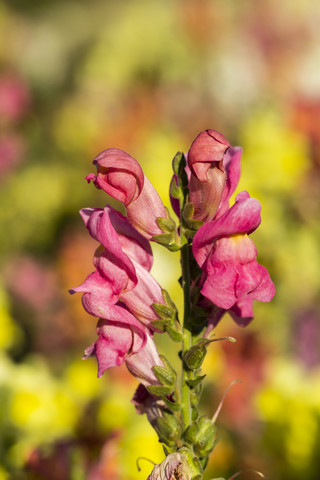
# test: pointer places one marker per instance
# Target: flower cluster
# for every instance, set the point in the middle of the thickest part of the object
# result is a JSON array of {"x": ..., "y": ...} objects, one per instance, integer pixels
[
  {"x": 121, "y": 291},
  {"x": 220, "y": 273}
]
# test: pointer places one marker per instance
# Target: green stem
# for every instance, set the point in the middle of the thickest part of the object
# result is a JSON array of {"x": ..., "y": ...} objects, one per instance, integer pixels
[{"x": 187, "y": 337}]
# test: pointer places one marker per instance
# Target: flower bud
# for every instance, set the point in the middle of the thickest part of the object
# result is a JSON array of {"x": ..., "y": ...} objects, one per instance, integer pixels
[
  {"x": 195, "y": 355},
  {"x": 208, "y": 176},
  {"x": 202, "y": 435},
  {"x": 168, "y": 429}
]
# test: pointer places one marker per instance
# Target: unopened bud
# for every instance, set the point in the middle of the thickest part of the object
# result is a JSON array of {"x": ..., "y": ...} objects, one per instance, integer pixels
[
  {"x": 195, "y": 356},
  {"x": 168, "y": 428}
]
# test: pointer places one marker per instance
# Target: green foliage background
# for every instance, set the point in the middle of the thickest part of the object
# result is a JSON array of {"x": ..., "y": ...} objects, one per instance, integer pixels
[{"x": 147, "y": 77}]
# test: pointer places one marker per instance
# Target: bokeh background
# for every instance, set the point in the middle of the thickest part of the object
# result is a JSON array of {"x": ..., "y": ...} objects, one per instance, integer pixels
[{"x": 147, "y": 76}]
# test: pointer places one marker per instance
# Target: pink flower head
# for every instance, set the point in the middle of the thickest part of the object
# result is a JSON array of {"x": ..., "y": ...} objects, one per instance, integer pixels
[
  {"x": 119, "y": 335},
  {"x": 121, "y": 176},
  {"x": 122, "y": 267},
  {"x": 121, "y": 244},
  {"x": 118, "y": 174},
  {"x": 232, "y": 277},
  {"x": 208, "y": 175}
]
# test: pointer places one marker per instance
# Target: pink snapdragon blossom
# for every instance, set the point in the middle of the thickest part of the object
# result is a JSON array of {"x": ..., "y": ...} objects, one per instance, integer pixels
[
  {"x": 121, "y": 176},
  {"x": 125, "y": 341},
  {"x": 232, "y": 278},
  {"x": 211, "y": 181},
  {"x": 122, "y": 268},
  {"x": 207, "y": 173},
  {"x": 119, "y": 334}
]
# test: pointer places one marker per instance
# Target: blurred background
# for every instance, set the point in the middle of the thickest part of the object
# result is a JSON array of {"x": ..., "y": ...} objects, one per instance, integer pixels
[{"x": 146, "y": 76}]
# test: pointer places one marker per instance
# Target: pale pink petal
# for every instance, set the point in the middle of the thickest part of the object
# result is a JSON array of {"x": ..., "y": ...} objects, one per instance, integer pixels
[
  {"x": 100, "y": 227},
  {"x": 242, "y": 217},
  {"x": 140, "y": 364},
  {"x": 144, "y": 211},
  {"x": 139, "y": 300}
]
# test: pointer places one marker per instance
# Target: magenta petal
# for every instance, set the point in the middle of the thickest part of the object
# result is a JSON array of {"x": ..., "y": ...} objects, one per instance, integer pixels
[
  {"x": 208, "y": 147},
  {"x": 100, "y": 227},
  {"x": 99, "y": 286},
  {"x": 232, "y": 165},
  {"x": 219, "y": 286},
  {"x": 114, "y": 342},
  {"x": 132, "y": 242},
  {"x": 265, "y": 290},
  {"x": 242, "y": 217},
  {"x": 119, "y": 175}
]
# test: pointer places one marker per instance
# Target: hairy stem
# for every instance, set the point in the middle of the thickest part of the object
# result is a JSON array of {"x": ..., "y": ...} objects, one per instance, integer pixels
[{"x": 187, "y": 337}]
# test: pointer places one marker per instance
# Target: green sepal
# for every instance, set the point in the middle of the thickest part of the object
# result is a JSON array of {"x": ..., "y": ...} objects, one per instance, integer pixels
[
  {"x": 167, "y": 240},
  {"x": 178, "y": 165},
  {"x": 195, "y": 381},
  {"x": 191, "y": 434},
  {"x": 174, "y": 335},
  {"x": 167, "y": 225},
  {"x": 175, "y": 190},
  {"x": 194, "y": 414},
  {"x": 194, "y": 357},
  {"x": 159, "y": 325},
  {"x": 168, "y": 429},
  {"x": 173, "y": 406},
  {"x": 187, "y": 214},
  {"x": 165, "y": 376},
  {"x": 188, "y": 211},
  {"x": 160, "y": 390},
  {"x": 168, "y": 300},
  {"x": 165, "y": 312},
  {"x": 193, "y": 462},
  {"x": 207, "y": 437},
  {"x": 178, "y": 159}
]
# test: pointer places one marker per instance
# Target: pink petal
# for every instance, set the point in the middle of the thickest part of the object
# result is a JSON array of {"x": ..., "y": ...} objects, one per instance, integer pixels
[
  {"x": 208, "y": 147},
  {"x": 232, "y": 165},
  {"x": 140, "y": 364},
  {"x": 242, "y": 217},
  {"x": 144, "y": 211},
  {"x": 140, "y": 299},
  {"x": 100, "y": 227},
  {"x": 119, "y": 175},
  {"x": 219, "y": 286}
]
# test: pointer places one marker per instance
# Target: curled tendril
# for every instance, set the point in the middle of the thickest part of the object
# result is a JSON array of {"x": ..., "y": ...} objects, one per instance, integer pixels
[{"x": 143, "y": 458}]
